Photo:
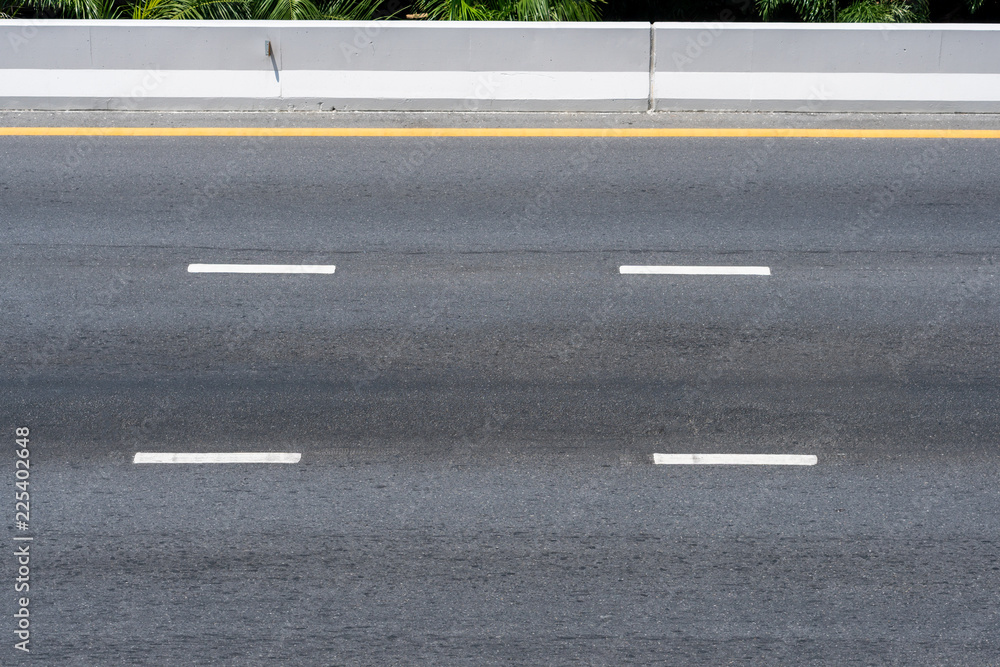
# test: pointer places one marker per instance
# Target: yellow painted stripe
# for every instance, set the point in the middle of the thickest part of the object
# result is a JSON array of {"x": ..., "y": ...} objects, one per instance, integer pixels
[{"x": 490, "y": 132}]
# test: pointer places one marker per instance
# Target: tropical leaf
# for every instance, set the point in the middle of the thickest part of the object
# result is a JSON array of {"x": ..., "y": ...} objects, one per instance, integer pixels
[
  {"x": 579, "y": 10},
  {"x": 284, "y": 10},
  {"x": 456, "y": 10},
  {"x": 807, "y": 10},
  {"x": 75, "y": 9},
  {"x": 190, "y": 9},
  {"x": 9, "y": 10},
  {"x": 861, "y": 11},
  {"x": 272, "y": 10},
  {"x": 350, "y": 10},
  {"x": 511, "y": 10},
  {"x": 884, "y": 11},
  {"x": 559, "y": 10}
]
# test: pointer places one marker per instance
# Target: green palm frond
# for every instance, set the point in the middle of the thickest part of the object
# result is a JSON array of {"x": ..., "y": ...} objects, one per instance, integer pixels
[
  {"x": 9, "y": 10},
  {"x": 884, "y": 11},
  {"x": 578, "y": 10},
  {"x": 75, "y": 9},
  {"x": 861, "y": 11},
  {"x": 511, "y": 10},
  {"x": 532, "y": 10},
  {"x": 808, "y": 10},
  {"x": 559, "y": 10},
  {"x": 350, "y": 10},
  {"x": 767, "y": 8},
  {"x": 284, "y": 10},
  {"x": 458, "y": 10},
  {"x": 190, "y": 9},
  {"x": 358, "y": 10},
  {"x": 148, "y": 9}
]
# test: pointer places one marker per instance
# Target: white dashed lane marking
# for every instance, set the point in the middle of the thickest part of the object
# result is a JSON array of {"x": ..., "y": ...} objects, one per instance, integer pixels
[
  {"x": 261, "y": 268},
  {"x": 237, "y": 457},
  {"x": 735, "y": 459},
  {"x": 698, "y": 270}
]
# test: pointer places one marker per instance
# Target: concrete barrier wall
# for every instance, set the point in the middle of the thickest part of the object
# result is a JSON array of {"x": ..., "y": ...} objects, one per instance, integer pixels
[
  {"x": 826, "y": 67},
  {"x": 497, "y": 66},
  {"x": 323, "y": 65}
]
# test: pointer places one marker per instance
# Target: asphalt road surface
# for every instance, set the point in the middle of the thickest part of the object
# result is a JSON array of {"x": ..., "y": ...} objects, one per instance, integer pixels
[{"x": 477, "y": 393}]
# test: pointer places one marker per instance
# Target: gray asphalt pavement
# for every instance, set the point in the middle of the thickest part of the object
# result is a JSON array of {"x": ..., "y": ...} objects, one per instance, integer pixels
[{"x": 477, "y": 394}]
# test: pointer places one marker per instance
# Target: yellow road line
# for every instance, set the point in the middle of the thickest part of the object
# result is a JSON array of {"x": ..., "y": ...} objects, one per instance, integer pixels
[{"x": 490, "y": 132}]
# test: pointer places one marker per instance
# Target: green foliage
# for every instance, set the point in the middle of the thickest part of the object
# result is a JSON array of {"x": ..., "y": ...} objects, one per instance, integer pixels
[
  {"x": 559, "y": 10},
  {"x": 885, "y": 11},
  {"x": 359, "y": 10},
  {"x": 351, "y": 10},
  {"x": 75, "y": 9},
  {"x": 861, "y": 11},
  {"x": 807, "y": 10},
  {"x": 460, "y": 10},
  {"x": 188, "y": 9},
  {"x": 284, "y": 10},
  {"x": 853, "y": 11},
  {"x": 511, "y": 10},
  {"x": 9, "y": 10}
]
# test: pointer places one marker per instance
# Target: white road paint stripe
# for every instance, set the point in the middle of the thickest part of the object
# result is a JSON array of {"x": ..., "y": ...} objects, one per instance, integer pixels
[
  {"x": 236, "y": 457},
  {"x": 699, "y": 270},
  {"x": 735, "y": 459},
  {"x": 261, "y": 268}
]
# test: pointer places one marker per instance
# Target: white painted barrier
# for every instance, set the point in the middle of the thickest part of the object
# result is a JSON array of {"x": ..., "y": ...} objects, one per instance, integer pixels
[
  {"x": 384, "y": 65},
  {"x": 826, "y": 67},
  {"x": 322, "y": 65}
]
